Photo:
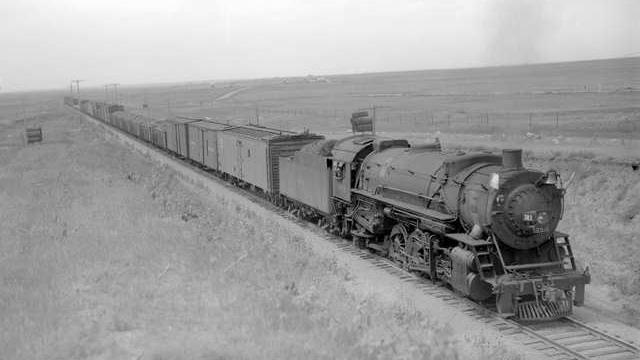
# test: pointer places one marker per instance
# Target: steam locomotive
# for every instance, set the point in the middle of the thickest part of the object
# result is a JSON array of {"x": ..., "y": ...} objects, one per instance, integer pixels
[{"x": 480, "y": 223}]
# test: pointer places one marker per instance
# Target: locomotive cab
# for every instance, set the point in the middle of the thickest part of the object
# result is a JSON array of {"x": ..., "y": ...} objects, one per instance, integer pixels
[{"x": 348, "y": 154}]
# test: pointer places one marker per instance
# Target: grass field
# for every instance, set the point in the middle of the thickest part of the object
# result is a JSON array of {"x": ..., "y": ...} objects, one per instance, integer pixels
[{"x": 580, "y": 99}]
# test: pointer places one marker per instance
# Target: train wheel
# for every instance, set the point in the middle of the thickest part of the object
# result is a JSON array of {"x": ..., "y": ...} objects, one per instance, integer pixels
[
  {"x": 345, "y": 229},
  {"x": 333, "y": 225},
  {"x": 359, "y": 237},
  {"x": 418, "y": 250},
  {"x": 398, "y": 244}
]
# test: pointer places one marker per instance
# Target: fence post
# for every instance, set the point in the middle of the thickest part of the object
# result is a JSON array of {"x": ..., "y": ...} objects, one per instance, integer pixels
[
  {"x": 530, "y": 115},
  {"x": 426, "y": 120}
]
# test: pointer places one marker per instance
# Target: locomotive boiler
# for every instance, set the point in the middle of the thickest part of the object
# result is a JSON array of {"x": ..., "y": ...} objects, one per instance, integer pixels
[{"x": 480, "y": 222}]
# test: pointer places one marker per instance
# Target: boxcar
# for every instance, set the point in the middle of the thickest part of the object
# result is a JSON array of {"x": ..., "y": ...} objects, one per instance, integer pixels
[
  {"x": 112, "y": 108},
  {"x": 203, "y": 142},
  {"x": 119, "y": 119},
  {"x": 178, "y": 136},
  {"x": 69, "y": 101},
  {"x": 144, "y": 130},
  {"x": 252, "y": 153},
  {"x": 159, "y": 134},
  {"x": 126, "y": 124},
  {"x": 133, "y": 122},
  {"x": 85, "y": 106},
  {"x": 97, "y": 109},
  {"x": 306, "y": 175},
  {"x": 102, "y": 111},
  {"x": 122, "y": 120}
]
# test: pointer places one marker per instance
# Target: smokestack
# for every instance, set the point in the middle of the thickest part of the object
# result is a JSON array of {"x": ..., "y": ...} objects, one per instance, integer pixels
[{"x": 512, "y": 159}]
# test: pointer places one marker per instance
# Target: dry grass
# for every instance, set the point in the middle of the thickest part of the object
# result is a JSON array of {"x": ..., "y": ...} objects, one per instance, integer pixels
[
  {"x": 594, "y": 100},
  {"x": 109, "y": 257}
]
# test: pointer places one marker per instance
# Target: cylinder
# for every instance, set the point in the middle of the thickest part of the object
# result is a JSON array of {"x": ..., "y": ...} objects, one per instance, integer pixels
[
  {"x": 478, "y": 289},
  {"x": 512, "y": 159}
]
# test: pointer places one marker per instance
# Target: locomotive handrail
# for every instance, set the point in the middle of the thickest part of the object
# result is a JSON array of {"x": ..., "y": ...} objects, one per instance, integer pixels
[
  {"x": 408, "y": 207},
  {"x": 498, "y": 250},
  {"x": 382, "y": 187},
  {"x": 535, "y": 265}
]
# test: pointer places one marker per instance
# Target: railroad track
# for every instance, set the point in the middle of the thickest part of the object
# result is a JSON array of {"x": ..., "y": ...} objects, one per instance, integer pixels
[
  {"x": 568, "y": 338},
  {"x": 563, "y": 339}
]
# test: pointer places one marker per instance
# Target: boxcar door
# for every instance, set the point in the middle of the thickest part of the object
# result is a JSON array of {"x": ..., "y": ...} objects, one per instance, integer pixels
[{"x": 239, "y": 159}]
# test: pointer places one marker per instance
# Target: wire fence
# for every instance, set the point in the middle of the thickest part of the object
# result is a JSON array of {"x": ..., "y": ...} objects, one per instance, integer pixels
[{"x": 614, "y": 124}]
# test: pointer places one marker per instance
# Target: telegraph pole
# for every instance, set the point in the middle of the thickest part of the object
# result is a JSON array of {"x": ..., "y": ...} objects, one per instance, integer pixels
[
  {"x": 115, "y": 91},
  {"x": 24, "y": 120},
  {"x": 373, "y": 120},
  {"x": 77, "y": 82}
]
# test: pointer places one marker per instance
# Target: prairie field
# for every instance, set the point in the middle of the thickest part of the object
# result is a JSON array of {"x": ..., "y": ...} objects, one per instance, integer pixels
[
  {"x": 580, "y": 99},
  {"x": 590, "y": 106}
]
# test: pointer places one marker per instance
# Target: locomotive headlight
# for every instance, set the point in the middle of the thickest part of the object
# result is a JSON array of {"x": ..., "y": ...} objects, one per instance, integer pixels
[
  {"x": 542, "y": 217},
  {"x": 494, "y": 181}
]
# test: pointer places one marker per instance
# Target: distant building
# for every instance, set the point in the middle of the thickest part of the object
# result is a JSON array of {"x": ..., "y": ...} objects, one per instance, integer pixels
[{"x": 313, "y": 79}]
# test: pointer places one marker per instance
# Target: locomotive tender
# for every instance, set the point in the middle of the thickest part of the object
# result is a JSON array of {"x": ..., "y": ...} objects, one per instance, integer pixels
[{"x": 479, "y": 222}]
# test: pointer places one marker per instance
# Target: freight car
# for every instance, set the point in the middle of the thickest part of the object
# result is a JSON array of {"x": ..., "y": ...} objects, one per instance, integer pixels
[
  {"x": 480, "y": 223},
  {"x": 309, "y": 168},
  {"x": 132, "y": 123},
  {"x": 159, "y": 134},
  {"x": 178, "y": 136},
  {"x": 251, "y": 155},
  {"x": 203, "y": 142}
]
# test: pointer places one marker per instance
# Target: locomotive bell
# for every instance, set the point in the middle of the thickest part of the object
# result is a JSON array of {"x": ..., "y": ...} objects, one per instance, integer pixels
[{"x": 512, "y": 159}]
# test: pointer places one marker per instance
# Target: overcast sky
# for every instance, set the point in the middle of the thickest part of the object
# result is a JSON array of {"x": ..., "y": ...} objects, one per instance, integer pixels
[{"x": 45, "y": 43}]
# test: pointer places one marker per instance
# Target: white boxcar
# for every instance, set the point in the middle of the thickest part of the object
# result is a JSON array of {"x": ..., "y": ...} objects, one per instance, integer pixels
[{"x": 252, "y": 153}]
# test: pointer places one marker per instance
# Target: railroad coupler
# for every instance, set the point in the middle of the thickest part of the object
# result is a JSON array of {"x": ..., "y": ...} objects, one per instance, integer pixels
[{"x": 540, "y": 298}]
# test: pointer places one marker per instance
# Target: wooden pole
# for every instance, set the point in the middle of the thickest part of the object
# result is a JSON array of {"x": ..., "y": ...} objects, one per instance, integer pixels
[{"x": 373, "y": 121}]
